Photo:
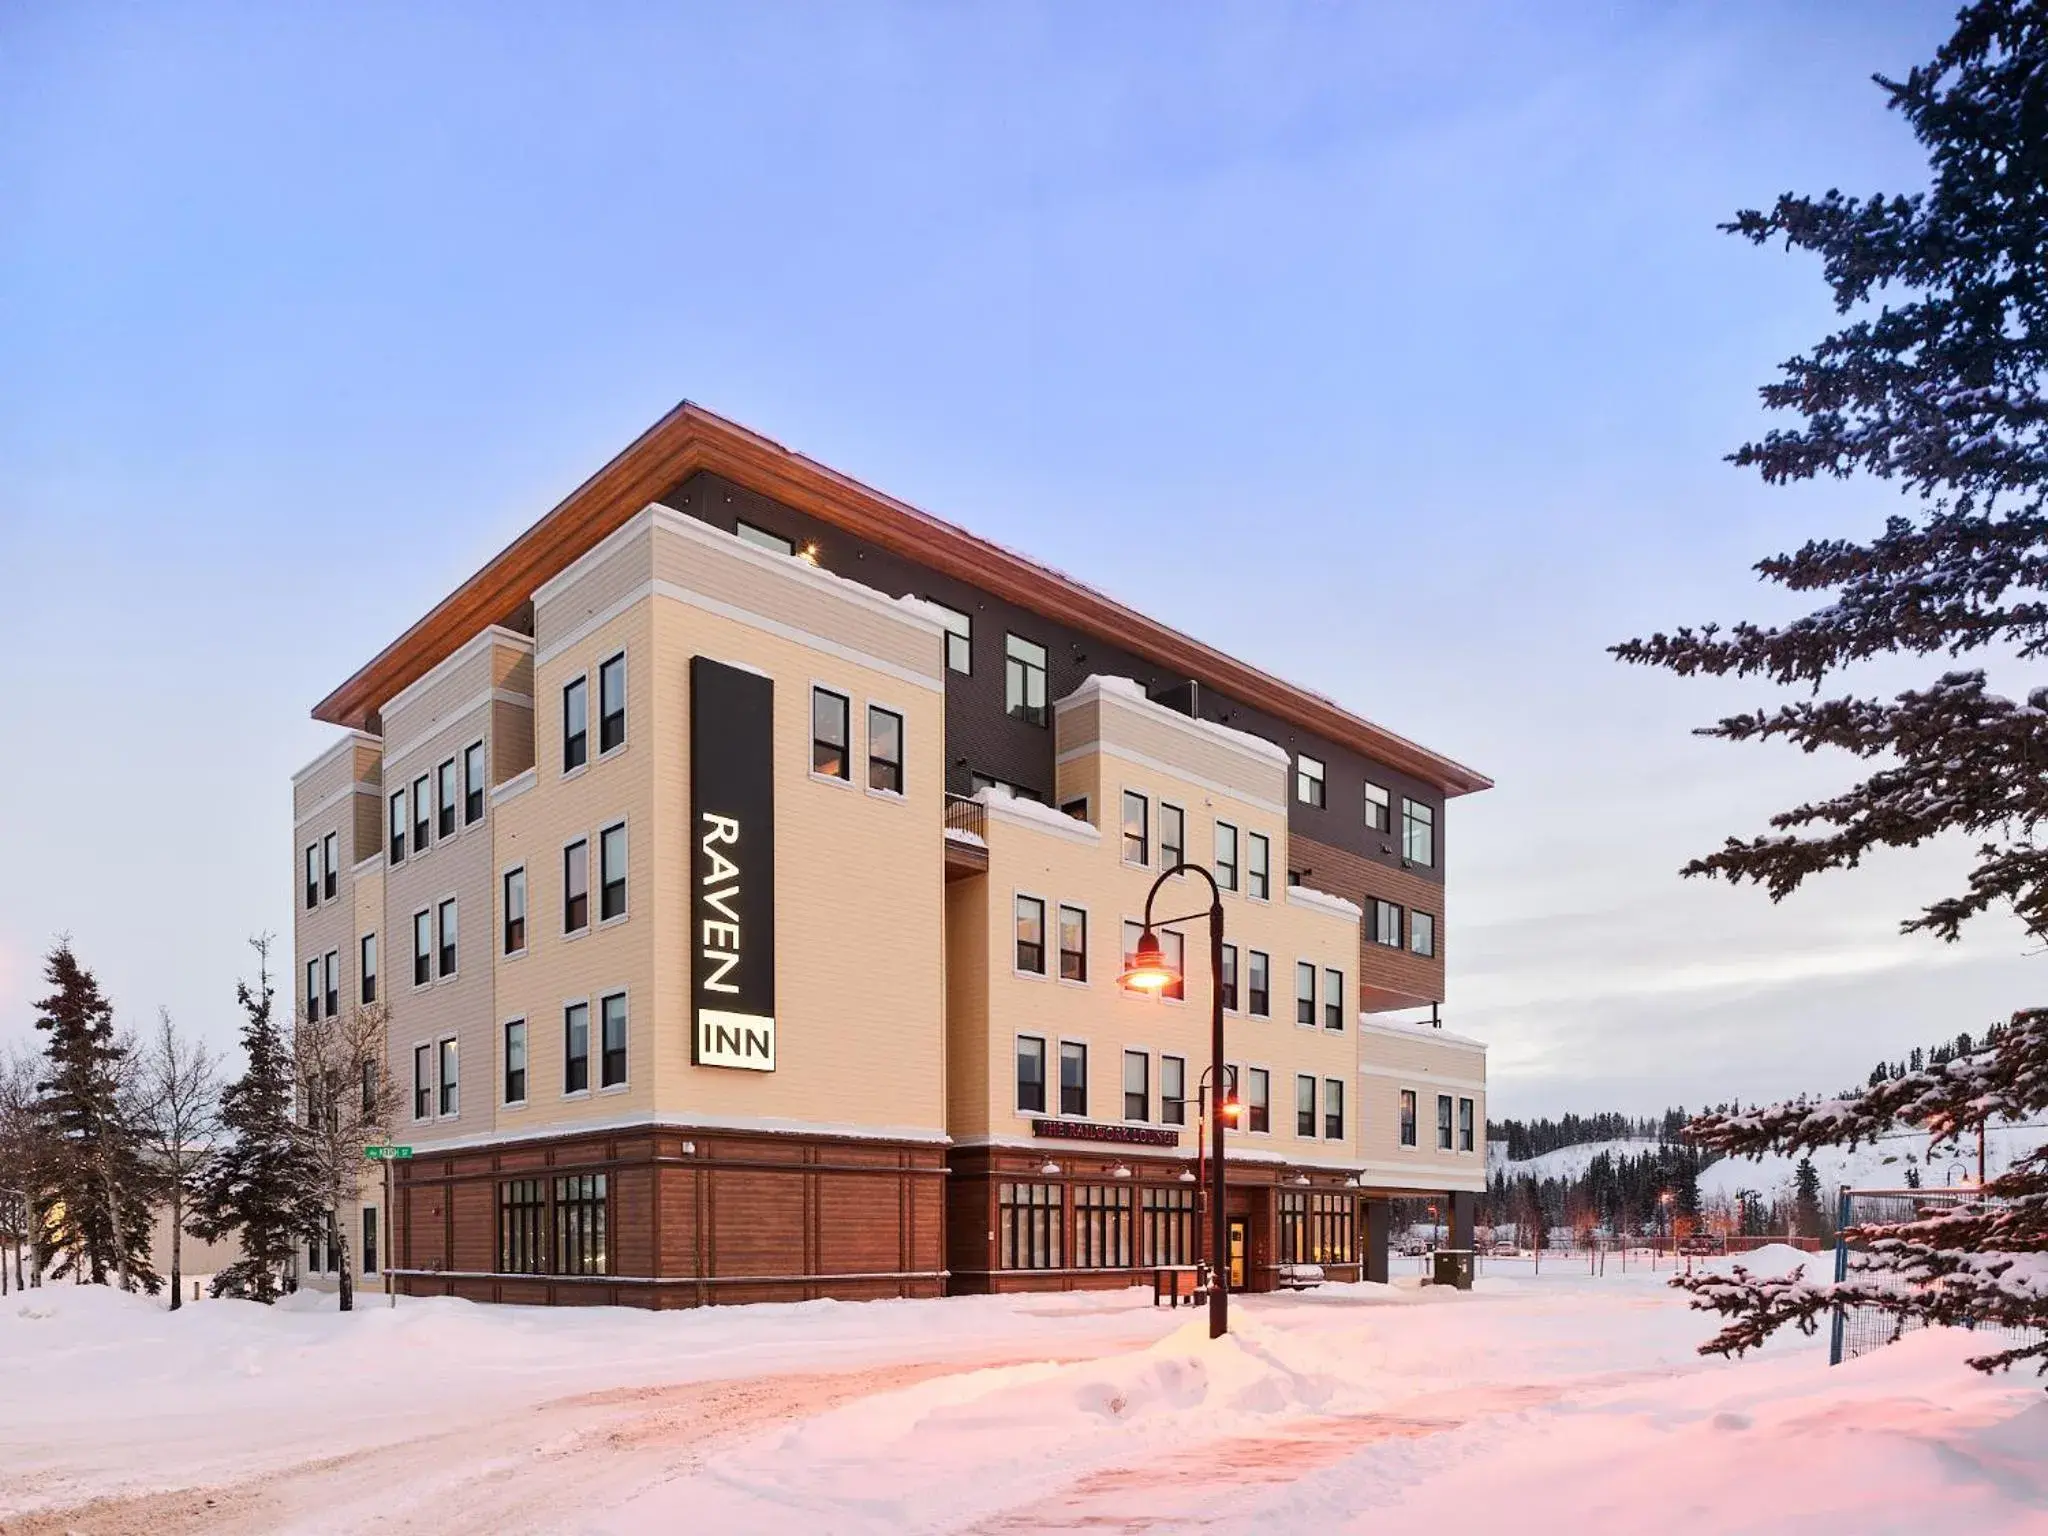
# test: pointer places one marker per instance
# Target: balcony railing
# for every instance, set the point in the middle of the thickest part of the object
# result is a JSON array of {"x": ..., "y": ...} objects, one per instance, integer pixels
[{"x": 966, "y": 821}]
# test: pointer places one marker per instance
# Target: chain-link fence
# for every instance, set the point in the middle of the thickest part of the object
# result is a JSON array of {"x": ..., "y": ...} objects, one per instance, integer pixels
[{"x": 1859, "y": 1330}]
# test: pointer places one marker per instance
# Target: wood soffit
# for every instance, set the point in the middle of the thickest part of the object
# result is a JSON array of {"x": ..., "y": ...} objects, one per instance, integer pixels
[{"x": 690, "y": 438}]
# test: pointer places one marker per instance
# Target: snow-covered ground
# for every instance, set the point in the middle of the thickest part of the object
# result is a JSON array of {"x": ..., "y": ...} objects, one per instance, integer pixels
[{"x": 1562, "y": 1403}]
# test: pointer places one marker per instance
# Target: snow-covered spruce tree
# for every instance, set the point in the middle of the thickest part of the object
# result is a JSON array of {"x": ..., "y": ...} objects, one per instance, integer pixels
[
  {"x": 94, "y": 1191},
  {"x": 1935, "y": 382},
  {"x": 256, "y": 1189}
]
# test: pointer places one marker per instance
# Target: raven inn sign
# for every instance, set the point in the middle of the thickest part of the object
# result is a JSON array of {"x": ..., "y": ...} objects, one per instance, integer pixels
[{"x": 732, "y": 866}]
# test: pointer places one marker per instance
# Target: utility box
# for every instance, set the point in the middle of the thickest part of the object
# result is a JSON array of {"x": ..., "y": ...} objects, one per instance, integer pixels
[{"x": 1453, "y": 1266}]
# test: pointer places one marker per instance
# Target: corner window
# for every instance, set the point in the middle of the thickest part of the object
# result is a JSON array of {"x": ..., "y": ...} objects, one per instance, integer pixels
[
  {"x": 1073, "y": 944},
  {"x": 1304, "y": 992},
  {"x": 422, "y": 948},
  {"x": 1333, "y": 998},
  {"x": 1258, "y": 986},
  {"x": 445, "y": 784},
  {"x": 515, "y": 910},
  {"x": 1333, "y": 1108},
  {"x": 1422, "y": 933},
  {"x": 1226, "y": 855},
  {"x": 515, "y": 1062},
  {"x": 576, "y": 1048},
  {"x": 761, "y": 538},
  {"x": 611, "y": 872},
  {"x": 472, "y": 783},
  {"x": 366, "y": 968},
  {"x": 611, "y": 704},
  {"x": 1386, "y": 923},
  {"x": 1137, "y": 1086},
  {"x": 885, "y": 750},
  {"x": 959, "y": 638},
  {"x": 1073, "y": 1078},
  {"x": 1379, "y": 809},
  {"x": 448, "y": 937},
  {"x": 422, "y": 812},
  {"x": 1137, "y": 829},
  {"x": 330, "y": 865},
  {"x": 1024, "y": 680},
  {"x": 397, "y": 834},
  {"x": 1258, "y": 1099},
  {"x": 312, "y": 876},
  {"x": 576, "y": 886},
  {"x": 1030, "y": 916},
  {"x": 611, "y": 1065},
  {"x": 451, "y": 1081},
  {"x": 1030, "y": 1075},
  {"x": 1173, "y": 835},
  {"x": 1304, "y": 1105},
  {"x": 575, "y": 724},
  {"x": 1465, "y": 1118},
  {"x": 1443, "y": 1122},
  {"x": 1258, "y": 872},
  {"x": 422, "y": 1082},
  {"x": 1418, "y": 832},
  {"x": 829, "y": 730},
  {"x": 1173, "y": 1090},
  {"x": 1407, "y": 1117},
  {"x": 1308, "y": 780}
]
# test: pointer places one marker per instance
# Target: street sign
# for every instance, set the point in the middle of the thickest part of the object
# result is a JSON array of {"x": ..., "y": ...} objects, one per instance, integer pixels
[{"x": 390, "y": 1154}]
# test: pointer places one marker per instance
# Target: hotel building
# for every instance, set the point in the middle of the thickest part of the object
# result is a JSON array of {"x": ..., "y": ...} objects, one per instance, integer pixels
[{"x": 744, "y": 861}]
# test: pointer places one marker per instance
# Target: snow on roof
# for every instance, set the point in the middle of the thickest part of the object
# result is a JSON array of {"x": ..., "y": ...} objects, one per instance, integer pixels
[
  {"x": 1130, "y": 691},
  {"x": 1336, "y": 906},
  {"x": 1002, "y": 801},
  {"x": 1423, "y": 1028}
]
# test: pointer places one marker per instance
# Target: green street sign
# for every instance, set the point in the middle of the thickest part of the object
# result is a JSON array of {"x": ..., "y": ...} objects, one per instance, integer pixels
[{"x": 380, "y": 1154}]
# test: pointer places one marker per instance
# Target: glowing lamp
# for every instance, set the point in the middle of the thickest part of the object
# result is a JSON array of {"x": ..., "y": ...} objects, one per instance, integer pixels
[{"x": 1146, "y": 969}]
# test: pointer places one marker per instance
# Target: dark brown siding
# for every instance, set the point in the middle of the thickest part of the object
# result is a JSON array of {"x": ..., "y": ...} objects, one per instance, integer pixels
[{"x": 1387, "y": 978}]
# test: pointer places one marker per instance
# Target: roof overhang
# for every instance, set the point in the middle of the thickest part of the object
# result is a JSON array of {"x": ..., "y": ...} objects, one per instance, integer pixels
[{"x": 690, "y": 438}]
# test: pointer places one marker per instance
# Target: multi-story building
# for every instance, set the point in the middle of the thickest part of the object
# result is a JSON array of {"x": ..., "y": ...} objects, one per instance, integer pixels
[{"x": 745, "y": 862}]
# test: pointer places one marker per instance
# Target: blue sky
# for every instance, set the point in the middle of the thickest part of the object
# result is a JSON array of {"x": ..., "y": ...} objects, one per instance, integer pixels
[{"x": 1391, "y": 347}]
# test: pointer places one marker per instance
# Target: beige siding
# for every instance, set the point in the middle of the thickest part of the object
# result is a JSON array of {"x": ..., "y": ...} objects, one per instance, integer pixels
[
  {"x": 1394, "y": 1059},
  {"x": 1198, "y": 753},
  {"x": 968, "y": 1046}
]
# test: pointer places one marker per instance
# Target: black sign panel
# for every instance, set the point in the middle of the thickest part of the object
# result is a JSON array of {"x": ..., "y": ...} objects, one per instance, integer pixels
[{"x": 732, "y": 867}]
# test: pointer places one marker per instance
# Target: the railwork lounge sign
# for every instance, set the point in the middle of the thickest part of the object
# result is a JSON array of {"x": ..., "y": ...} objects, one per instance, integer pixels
[{"x": 732, "y": 866}]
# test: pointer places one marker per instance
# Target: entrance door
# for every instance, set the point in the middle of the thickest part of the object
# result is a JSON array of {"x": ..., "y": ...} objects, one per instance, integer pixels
[{"x": 1237, "y": 1238}]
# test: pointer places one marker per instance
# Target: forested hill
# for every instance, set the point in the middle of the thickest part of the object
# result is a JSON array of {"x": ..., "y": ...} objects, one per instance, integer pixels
[{"x": 1519, "y": 1140}]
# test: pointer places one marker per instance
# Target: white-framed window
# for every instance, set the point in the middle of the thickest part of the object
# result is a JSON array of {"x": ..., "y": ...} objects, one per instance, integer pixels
[
  {"x": 423, "y": 1082},
  {"x": 1230, "y": 978},
  {"x": 1258, "y": 1100},
  {"x": 576, "y": 1047},
  {"x": 330, "y": 865},
  {"x": 1304, "y": 992},
  {"x": 1258, "y": 867},
  {"x": 1137, "y": 829},
  {"x": 1308, "y": 780},
  {"x": 422, "y": 812},
  {"x": 330, "y": 973},
  {"x": 1137, "y": 1086},
  {"x": 575, "y": 723},
  {"x": 446, "y": 924},
  {"x": 1465, "y": 1125},
  {"x": 515, "y": 910},
  {"x": 1031, "y": 1074},
  {"x": 422, "y": 947},
  {"x": 1173, "y": 1090},
  {"x": 1422, "y": 933},
  {"x": 1443, "y": 1122},
  {"x": 1418, "y": 832},
  {"x": 444, "y": 800},
  {"x": 576, "y": 886},
  {"x": 1074, "y": 1078},
  {"x": 1258, "y": 996},
  {"x": 959, "y": 638},
  {"x": 1379, "y": 808},
  {"x": 1333, "y": 1108},
  {"x": 1173, "y": 835},
  {"x": 885, "y": 750},
  {"x": 1073, "y": 943},
  {"x": 1304, "y": 1105},
  {"x": 473, "y": 785},
  {"x": 313, "y": 988},
  {"x": 611, "y": 1060},
  {"x": 515, "y": 1061},
  {"x": 1175, "y": 947},
  {"x": 1407, "y": 1117},
  {"x": 312, "y": 876},
  {"x": 611, "y": 873},
  {"x": 831, "y": 735},
  {"x": 451, "y": 1076},
  {"x": 611, "y": 704},
  {"x": 1226, "y": 856},
  {"x": 366, "y": 969},
  {"x": 1333, "y": 998},
  {"x": 1029, "y": 958},
  {"x": 397, "y": 828}
]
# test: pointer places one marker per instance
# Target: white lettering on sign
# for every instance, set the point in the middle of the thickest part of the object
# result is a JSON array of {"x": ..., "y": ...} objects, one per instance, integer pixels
[
  {"x": 735, "y": 1040},
  {"x": 721, "y": 940}
]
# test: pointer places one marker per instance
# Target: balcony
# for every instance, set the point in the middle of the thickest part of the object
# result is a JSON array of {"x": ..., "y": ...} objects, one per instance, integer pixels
[{"x": 966, "y": 837}]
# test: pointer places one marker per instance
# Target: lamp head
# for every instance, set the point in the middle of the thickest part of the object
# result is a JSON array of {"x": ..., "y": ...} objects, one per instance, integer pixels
[{"x": 1146, "y": 969}]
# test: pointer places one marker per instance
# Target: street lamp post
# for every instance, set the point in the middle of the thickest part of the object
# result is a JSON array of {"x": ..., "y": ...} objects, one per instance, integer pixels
[{"x": 1149, "y": 972}]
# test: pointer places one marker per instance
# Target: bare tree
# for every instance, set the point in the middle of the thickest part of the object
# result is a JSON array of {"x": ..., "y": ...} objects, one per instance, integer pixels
[
  {"x": 23, "y": 1154},
  {"x": 347, "y": 1102},
  {"x": 178, "y": 1109}
]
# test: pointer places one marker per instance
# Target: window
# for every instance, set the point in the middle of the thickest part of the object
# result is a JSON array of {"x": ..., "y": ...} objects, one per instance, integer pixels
[
  {"x": 1257, "y": 999},
  {"x": 761, "y": 538},
  {"x": 397, "y": 850},
  {"x": 1443, "y": 1122},
  {"x": 959, "y": 638},
  {"x": 451, "y": 1081},
  {"x": 369, "y": 1240},
  {"x": 1030, "y": 1075},
  {"x": 576, "y": 887},
  {"x": 1333, "y": 998},
  {"x": 1073, "y": 944},
  {"x": 1308, "y": 780},
  {"x": 1259, "y": 867},
  {"x": 1175, "y": 947},
  {"x": 1422, "y": 933},
  {"x": 1073, "y": 1078},
  {"x": 312, "y": 876},
  {"x": 1102, "y": 1226},
  {"x": 1464, "y": 1125},
  {"x": 1173, "y": 1090},
  {"x": 313, "y": 988},
  {"x": 1386, "y": 923},
  {"x": 472, "y": 783},
  {"x": 422, "y": 812},
  {"x": 1329, "y": 1229},
  {"x": 1258, "y": 1100},
  {"x": 1137, "y": 1086},
  {"x": 575, "y": 724},
  {"x": 1031, "y": 935},
  {"x": 611, "y": 872},
  {"x": 444, "y": 778},
  {"x": 1304, "y": 1105},
  {"x": 1078, "y": 809},
  {"x": 515, "y": 911},
  {"x": 1293, "y": 1228},
  {"x": 977, "y": 782},
  {"x": 611, "y": 704},
  {"x": 1166, "y": 1226},
  {"x": 611, "y": 1062},
  {"x": 448, "y": 937},
  {"x": 885, "y": 750},
  {"x": 1226, "y": 855},
  {"x": 330, "y": 862},
  {"x": 1333, "y": 1108},
  {"x": 1379, "y": 811},
  {"x": 366, "y": 967},
  {"x": 829, "y": 729},
  {"x": 1407, "y": 1117},
  {"x": 1024, "y": 680},
  {"x": 576, "y": 1048},
  {"x": 1229, "y": 977},
  {"x": 1304, "y": 992},
  {"x": 1418, "y": 832},
  {"x": 1137, "y": 831},
  {"x": 515, "y": 1062},
  {"x": 522, "y": 1227},
  {"x": 330, "y": 970},
  {"x": 422, "y": 948},
  {"x": 580, "y": 1224},
  {"x": 1173, "y": 836},
  {"x": 371, "y": 1070},
  {"x": 422, "y": 1082},
  {"x": 1028, "y": 1222}
]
